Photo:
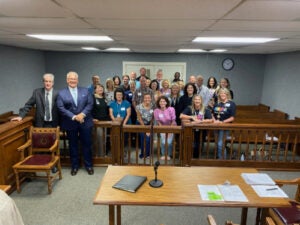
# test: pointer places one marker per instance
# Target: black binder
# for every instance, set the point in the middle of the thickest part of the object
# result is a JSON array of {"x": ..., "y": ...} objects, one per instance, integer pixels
[{"x": 130, "y": 183}]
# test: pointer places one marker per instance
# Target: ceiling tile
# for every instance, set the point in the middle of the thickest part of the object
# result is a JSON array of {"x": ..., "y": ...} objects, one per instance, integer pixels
[
  {"x": 32, "y": 8},
  {"x": 266, "y": 10}
]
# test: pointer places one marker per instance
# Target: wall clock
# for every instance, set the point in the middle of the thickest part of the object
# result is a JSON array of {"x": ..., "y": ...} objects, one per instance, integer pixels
[{"x": 228, "y": 64}]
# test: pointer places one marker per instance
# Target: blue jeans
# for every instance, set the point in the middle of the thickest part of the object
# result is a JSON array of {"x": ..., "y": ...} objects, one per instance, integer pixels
[
  {"x": 142, "y": 137},
  {"x": 221, "y": 134},
  {"x": 163, "y": 142}
]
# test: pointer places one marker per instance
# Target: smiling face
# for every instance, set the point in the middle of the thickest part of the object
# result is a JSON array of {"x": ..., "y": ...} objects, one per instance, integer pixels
[
  {"x": 197, "y": 102},
  {"x": 165, "y": 84},
  {"x": 96, "y": 79},
  {"x": 48, "y": 82},
  {"x": 224, "y": 83},
  {"x": 132, "y": 86},
  {"x": 72, "y": 79},
  {"x": 190, "y": 90},
  {"x": 125, "y": 80},
  {"x": 132, "y": 76},
  {"x": 175, "y": 89},
  {"x": 162, "y": 103},
  {"x": 211, "y": 82},
  {"x": 143, "y": 82},
  {"x": 143, "y": 71},
  {"x": 159, "y": 75},
  {"x": 99, "y": 90},
  {"x": 200, "y": 81},
  {"x": 147, "y": 99},
  {"x": 223, "y": 95},
  {"x": 119, "y": 96},
  {"x": 154, "y": 86}
]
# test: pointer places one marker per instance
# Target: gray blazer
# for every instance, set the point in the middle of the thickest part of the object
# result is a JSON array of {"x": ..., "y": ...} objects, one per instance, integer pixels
[{"x": 38, "y": 100}]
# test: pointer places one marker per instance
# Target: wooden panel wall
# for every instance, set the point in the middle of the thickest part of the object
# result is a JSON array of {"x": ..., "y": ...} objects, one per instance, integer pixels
[{"x": 12, "y": 135}]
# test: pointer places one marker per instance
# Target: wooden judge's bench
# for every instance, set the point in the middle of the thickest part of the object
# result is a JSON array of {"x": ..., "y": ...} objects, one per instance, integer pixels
[{"x": 12, "y": 135}]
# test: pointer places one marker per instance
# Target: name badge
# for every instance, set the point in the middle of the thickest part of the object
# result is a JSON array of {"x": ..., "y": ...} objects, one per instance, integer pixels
[
  {"x": 227, "y": 104},
  {"x": 130, "y": 94},
  {"x": 123, "y": 109},
  {"x": 139, "y": 94},
  {"x": 161, "y": 115}
]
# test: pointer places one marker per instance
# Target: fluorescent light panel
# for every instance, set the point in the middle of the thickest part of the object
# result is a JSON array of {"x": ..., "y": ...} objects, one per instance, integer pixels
[
  {"x": 191, "y": 50},
  {"x": 70, "y": 37},
  {"x": 201, "y": 50},
  {"x": 90, "y": 48},
  {"x": 233, "y": 39},
  {"x": 217, "y": 50},
  {"x": 118, "y": 49}
]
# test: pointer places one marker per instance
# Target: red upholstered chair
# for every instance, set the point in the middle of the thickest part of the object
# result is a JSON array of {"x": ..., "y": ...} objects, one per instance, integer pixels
[
  {"x": 283, "y": 216},
  {"x": 43, "y": 155}
]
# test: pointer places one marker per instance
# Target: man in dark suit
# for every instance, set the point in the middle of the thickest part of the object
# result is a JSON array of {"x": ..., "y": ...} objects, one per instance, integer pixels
[
  {"x": 75, "y": 105},
  {"x": 44, "y": 99}
]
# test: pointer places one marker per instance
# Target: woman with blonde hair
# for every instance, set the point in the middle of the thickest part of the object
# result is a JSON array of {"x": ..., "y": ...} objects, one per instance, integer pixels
[
  {"x": 197, "y": 113},
  {"x": 165, "y": 89},
  {"x": 224, "y": 112},
  {"x": 109, "y": 92}
]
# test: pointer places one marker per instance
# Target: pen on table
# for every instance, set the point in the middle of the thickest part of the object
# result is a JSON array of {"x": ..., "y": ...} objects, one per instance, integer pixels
[{"x": 271, "y": 189}]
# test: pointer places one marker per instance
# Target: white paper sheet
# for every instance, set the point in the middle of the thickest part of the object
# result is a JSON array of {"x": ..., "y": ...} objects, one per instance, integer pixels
[
  {"x": 257, "y": 178},
  {"x": 222, "y": 193},
  {"x": 232, "y": 193},
  {"x": 210, "y": 193},
  {"x": 269, "y": 191}
]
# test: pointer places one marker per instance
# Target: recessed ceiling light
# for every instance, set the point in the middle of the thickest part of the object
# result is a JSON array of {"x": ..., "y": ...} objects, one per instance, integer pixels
[
  {"x": 118, "y": 49},
  {"x": 233, "y": 39},
  {"x": 70, "y": 37},
  {"x": 217, "y": 50},
  {"x": 190, "y": 50},
  {"x": 90, "y": 48}
]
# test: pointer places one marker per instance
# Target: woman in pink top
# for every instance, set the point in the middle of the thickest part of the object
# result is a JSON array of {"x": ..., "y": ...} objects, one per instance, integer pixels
[{"x": 165, "y": 115}]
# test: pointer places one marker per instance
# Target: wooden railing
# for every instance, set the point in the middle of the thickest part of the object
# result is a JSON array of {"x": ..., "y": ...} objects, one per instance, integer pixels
[
  {"x": 131, "y": 149},
  {"x": 268, "y": 143},
  {"x": 270, "y": 146},
  {"x": 5, "y": 117},
  {"x": 265, "y": 146}
]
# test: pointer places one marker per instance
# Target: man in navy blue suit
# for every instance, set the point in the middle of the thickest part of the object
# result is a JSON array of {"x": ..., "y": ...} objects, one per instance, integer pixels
[{"x": 75, "y": 105}]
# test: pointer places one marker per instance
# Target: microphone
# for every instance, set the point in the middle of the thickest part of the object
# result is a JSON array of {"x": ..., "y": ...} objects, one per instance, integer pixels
[{"x": 155, "y": 183}]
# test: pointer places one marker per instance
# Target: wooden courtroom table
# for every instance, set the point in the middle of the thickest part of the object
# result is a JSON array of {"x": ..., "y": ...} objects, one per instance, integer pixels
[{"x": 179, "y": 189}]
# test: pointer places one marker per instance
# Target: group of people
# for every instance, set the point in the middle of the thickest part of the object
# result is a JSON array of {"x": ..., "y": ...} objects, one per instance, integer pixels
[
  {"x": 69, "y": 108},
  {"x": 132, "y": 100},
  {"x": 159, "y": 101}
]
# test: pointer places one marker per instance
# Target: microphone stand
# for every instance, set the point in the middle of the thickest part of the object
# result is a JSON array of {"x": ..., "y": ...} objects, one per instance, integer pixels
[{"x": 156, "y": 183}]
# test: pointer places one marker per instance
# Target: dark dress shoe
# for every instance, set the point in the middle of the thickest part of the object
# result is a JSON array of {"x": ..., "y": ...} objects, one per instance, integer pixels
[
  {"x": 90, "y": 171},
  {"x": 74, "y": 172}
]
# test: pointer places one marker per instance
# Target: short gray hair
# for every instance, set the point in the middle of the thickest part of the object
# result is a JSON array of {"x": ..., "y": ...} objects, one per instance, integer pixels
[
  {"x": 48, "y": 75},
  {"x": 72, "y": 73}
]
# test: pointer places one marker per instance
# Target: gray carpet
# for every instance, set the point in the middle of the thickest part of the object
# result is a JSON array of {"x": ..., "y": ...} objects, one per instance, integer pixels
[{"x": 71, "y": 203}]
